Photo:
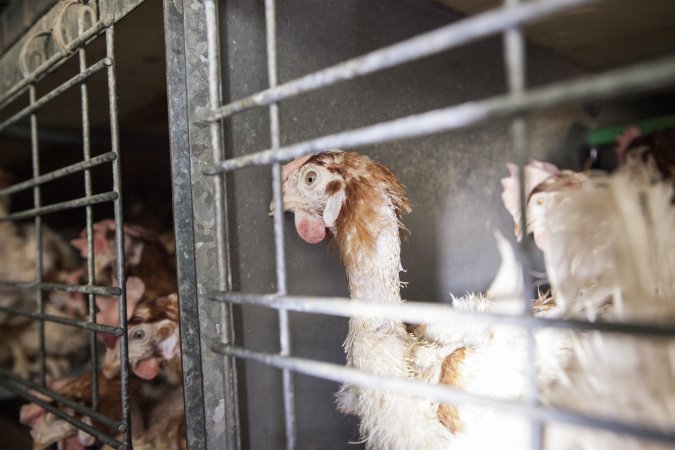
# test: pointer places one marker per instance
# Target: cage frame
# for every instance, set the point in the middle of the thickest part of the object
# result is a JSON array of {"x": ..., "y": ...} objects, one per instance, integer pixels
[
  {"x": 18, "y": 81},
  {"x": 198, "y": 153}
]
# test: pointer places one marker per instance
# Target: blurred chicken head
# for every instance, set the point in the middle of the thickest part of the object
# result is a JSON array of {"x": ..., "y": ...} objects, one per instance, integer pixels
[
  {"x": 544, "y": 198},
  {"x": 105, "y": 254},
  {"x": 535, "y": 173},
  {"x": 153, "y": 338},
  {"x": 48, "y": 429},
  {"x": 74, "y": 304},
  {"x": 108, "y": 308}
]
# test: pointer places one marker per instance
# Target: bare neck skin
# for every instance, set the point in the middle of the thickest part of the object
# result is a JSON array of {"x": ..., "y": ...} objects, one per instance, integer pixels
[{"x": 374, "y": 273}]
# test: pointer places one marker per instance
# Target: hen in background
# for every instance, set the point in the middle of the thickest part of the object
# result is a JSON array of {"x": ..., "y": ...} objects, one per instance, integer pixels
[{"x": 19, "y": 348}]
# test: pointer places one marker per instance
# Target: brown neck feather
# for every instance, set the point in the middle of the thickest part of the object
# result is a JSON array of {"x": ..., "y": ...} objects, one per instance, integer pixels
[{"x": 370, "y": 187}]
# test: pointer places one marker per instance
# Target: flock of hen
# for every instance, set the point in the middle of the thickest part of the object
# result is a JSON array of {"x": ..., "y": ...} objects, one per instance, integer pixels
[
  {"x": 610, "y": 256},
  {"x": 152, "y": 309}
]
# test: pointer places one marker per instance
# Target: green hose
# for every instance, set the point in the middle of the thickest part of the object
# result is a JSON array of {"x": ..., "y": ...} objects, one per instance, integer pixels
[{"x": 603, "y": 136}]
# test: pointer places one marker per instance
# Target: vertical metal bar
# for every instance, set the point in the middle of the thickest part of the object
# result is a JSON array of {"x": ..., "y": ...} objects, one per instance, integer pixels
[
  {"x": 37, "y": 200},
  {"x": 190, "y": 330},
  {"x": 284, "y": 328},
  {"x": 86, "y": 150},
  {"x": 515, "y": 59},
  {"x": 224, "y": 282},
  {"x": 119, "y": 236}
]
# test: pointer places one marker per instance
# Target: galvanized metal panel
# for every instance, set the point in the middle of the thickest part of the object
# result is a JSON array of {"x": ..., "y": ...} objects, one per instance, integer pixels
[
  {"x": 195, "y": 225},
  {"x": 17, "y": 17},
  {"x": 42, "y": 27},
  {"x": 194, "y": 395}
]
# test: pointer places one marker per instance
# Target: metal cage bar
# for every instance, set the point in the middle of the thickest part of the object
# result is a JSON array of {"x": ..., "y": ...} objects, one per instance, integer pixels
[
  {"x": 85, "y": 289},
  {"x": 515, "y": 62},
  {"x": 89, "y": 220},
  {"x": 22, "y": 387},
  {"x": 52, "y": 62},
  {"x": 513, "y": 105},
  {"x": 57, "y": 207},
  {"x": 65, "y": 401},
  {"x": 194, "y": 208},
  {"x": 37, "y": 203},
  {"x": 280, "y": 255},
  {"x": 123, "y": 342},
  {"x": 69, "y": 322},
  {"x": 427, "y": 44},
  {"x": 69, "y": 170},
  {"x": 184, "y": 218},
  {"x": 422, "y": 312},
  {"x": 23, "y": 392},
  {"x": 441, "y": 393},
  {"x": 635, "y": 79},
  {"x": 74, "y": 81},
  {"x": 232, "y": 427}
]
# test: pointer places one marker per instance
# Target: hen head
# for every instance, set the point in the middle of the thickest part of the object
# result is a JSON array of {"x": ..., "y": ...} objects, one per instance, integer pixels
[
  {"x": 153, "y": 338},
  {"x": 535, "y": 173},
  {"x": 314, "y": 193},
  {"x": 545, "y": 196},
  {"x": 105, "y": 247},
  {"x": 344, "y": 192},
  {"x": 543, "y": 184}
]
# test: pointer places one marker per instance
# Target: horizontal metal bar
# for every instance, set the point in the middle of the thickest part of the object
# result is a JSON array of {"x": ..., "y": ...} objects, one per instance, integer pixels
[
  {"x": 638, "y": 78},
  {"x": 74, "y": 81},
  {"x": 23, "y": 392},
  {"x": 114, "y": 424},
  {"x": 445, "y": 38},
  {"x": 60, "y": 173},
  {"x": 64, "y": 321},
  {"x": 84, "y": 289},
  {"x": 83, "y": 201},
  {"x": 418, "y": 312},
  {"x": 50, "y": 63},
  {"x": 441, "y": 393}
]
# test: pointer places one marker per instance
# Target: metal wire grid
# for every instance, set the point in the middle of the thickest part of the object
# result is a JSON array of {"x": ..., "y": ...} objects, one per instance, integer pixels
[
  {"x": 16, "y": 384},
  {"x": 506, "y": 20}
]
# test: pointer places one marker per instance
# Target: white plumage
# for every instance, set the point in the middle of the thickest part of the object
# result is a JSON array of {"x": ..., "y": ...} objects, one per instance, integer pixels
[
  {"x": 360, "y": 201},
  {"x": 609, "y": 250}
]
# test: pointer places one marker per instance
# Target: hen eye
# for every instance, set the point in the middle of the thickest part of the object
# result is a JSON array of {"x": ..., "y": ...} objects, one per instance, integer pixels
[
  {"x": 539, "y": 202},
  {"x": 310, "y": 177},
  {"x": 138, "y": 334}
]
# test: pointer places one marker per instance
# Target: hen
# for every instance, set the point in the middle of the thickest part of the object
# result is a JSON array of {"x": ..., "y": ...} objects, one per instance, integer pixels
[
  {"x": 154, "y": 355},
  {"x": 18, "y": 258},
  {"x": 610, "y": 255},
  {"x": 157, "y": 394},
  {"x": 360, "y": 202},
  {"x": 48, "y": 429}
]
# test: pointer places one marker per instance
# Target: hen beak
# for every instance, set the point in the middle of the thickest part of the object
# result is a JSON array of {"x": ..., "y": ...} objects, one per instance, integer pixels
[{"x": 290, "y": 202}]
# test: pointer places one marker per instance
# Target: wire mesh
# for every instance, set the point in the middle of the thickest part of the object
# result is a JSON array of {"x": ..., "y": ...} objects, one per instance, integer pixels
[
  {"x": 506, "y": 20},
  {"x": 23, "y": 387}
]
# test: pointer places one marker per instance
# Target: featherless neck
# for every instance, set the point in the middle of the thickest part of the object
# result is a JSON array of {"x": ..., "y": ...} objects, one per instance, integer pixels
[{"x": 374, "y": 272}]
